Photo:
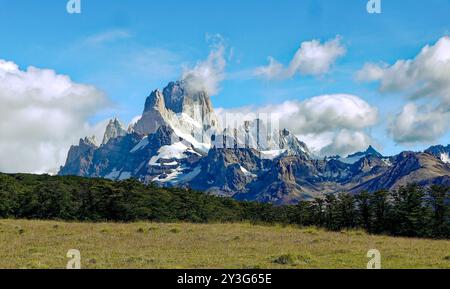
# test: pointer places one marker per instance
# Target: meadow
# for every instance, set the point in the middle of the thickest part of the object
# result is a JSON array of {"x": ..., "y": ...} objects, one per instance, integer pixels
[{"x": 44, "y": 244}]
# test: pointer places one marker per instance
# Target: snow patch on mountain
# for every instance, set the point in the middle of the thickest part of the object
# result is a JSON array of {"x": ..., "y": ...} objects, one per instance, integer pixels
[
  {"x": 353, "y": 158},
  {"x": 142, "y": 144},
  {"x": 247, "y": 173},
  {"x": 188, "y": 176},
  {"x": 445, "y": 158},
  {"x": 203, "y": 147},
  {"x": 387, "y": 162},
  {"x": 178, "y": 175},
  {"x": 272, "y": 154},
  {"x": 176, "y": 151}
]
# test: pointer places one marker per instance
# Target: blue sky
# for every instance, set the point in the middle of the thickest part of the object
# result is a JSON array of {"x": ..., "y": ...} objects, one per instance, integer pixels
[{"x": 129, "y": 48}]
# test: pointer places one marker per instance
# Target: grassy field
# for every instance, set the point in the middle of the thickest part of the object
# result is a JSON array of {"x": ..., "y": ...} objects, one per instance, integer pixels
[{"x": 42, "y": 244}]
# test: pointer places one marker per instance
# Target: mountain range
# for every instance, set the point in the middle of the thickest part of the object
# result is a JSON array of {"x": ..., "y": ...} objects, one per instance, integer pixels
[{"x": 180, "y": 141}]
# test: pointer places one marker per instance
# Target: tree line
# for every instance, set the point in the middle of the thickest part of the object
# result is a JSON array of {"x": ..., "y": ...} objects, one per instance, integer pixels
[{"x": 411, "y": 211}]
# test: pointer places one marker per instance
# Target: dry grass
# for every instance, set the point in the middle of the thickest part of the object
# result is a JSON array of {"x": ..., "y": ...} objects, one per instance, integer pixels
[{"x": 42, "y": 244}]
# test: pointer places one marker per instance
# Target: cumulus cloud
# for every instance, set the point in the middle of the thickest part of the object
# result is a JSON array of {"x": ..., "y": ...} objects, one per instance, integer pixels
[
  {"x": 370, "y": 72},
  {"x": 208, "y": 74},
  {"x": 336, "y": 111},
  {"x": 329, "y": 124},
  {"x": 312, "y": 58},
  {"x": 424, "y": 78},
  {"x": 345, "y": 142},
  {"x": 41, "y": 114},
  {"x": 418, "y": 124}
]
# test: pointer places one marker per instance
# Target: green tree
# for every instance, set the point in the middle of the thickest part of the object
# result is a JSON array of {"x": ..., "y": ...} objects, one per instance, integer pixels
[
  {"x": 409, "y": 215},
  {"x": 379, "y": 211},
  {"x": 439, "y": 201},
  {"x": 318, "y": 212},
  {"x": 304, "y": 213},
  {"x": 345, "y": 211},
  {"x": 331, "y": 222},
  {"x": 364, "y": 210}
]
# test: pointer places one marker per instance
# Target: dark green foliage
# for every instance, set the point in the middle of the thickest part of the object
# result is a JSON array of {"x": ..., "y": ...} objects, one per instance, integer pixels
[
  {"x": 83, "y": 199},
  {"x": 346, "y": 212},
  {"x": 318, "y": 212},
  {"x": 439, "y": 202},
  {"x": 364, "y": 210},
  {"x": 305, "y": 213},
  {"x": 379, "y": 209},
  {"x": 411, "y": 211}
]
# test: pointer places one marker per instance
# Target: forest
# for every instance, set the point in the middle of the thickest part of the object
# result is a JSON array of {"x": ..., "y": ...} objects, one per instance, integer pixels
[{"x": 411, "y": 211}]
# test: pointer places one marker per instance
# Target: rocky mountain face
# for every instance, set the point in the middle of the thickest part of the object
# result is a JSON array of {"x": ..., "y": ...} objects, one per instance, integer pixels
[
  {"x": 115, "y": 129},
  {"x": 79, "y": 158},
  {"x": 189, "y": 113},
  {"x": 179, "y": 141},
  {"x": 440, "y": 152}
]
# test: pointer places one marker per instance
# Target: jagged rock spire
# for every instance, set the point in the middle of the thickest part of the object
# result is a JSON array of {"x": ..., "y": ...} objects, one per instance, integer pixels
[
  {"x": 187, "y": 112},
  {"x": 114, "y": 130}
]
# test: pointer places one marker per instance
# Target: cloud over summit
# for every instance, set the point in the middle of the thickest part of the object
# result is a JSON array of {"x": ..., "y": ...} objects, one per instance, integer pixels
[
  {"x": 208, "y": 74},
  {"x": 330, "y": 124}
]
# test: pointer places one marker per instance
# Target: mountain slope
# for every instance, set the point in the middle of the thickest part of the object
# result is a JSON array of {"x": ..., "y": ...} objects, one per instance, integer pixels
[
  {"x": 179, "y": 141},
  {"x": 410, "y": 167}
]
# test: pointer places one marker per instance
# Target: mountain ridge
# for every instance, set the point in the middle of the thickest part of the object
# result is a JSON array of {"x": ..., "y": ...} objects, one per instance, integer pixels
[{"x": 179, "y": 141}]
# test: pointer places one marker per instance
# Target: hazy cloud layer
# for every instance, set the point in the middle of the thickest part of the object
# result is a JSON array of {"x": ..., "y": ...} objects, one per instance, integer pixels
[
  {"x": 312, "y": 58},
  {"x": 208, "y": 74},
  {"x": 426, "y": 78},
  {"x": 42, "y": 113},
  {"x": 107, "y": 37},
  {"x": 329, "y": 124}
]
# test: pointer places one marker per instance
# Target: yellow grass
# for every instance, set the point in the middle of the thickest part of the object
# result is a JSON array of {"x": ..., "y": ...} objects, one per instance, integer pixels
[{"x": 44, "y": 244}]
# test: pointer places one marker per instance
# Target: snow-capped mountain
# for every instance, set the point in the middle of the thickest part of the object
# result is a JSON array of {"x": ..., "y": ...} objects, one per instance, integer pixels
[
  {"x": 179, "y": 141},
  {"x": 353, "y": 158},
  {"x": 441, "y": 152},
  {"x": 189, "y": 113}
]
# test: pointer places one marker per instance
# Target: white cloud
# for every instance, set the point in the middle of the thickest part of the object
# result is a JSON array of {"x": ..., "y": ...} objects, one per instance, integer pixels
[
  {"x": 418, "y": 124},
  {"x": 312, "y": 58},
  {"x": 345, "y": 142},
  {"x": 370, "y": 72},
  {"x": 426, "y": 77},
  {"x": 274, "y": 70},
  {"x": 107, "y": 36},
  {"x": 41, "y": 114},
  {"x": 207, "y": 75},
  {"x": 335, "y": 111},
  {"x": 329, "y": 124}
]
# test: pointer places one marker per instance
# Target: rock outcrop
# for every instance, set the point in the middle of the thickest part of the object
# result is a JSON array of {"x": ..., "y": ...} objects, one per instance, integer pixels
[{"x": 114, "y": 130}]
